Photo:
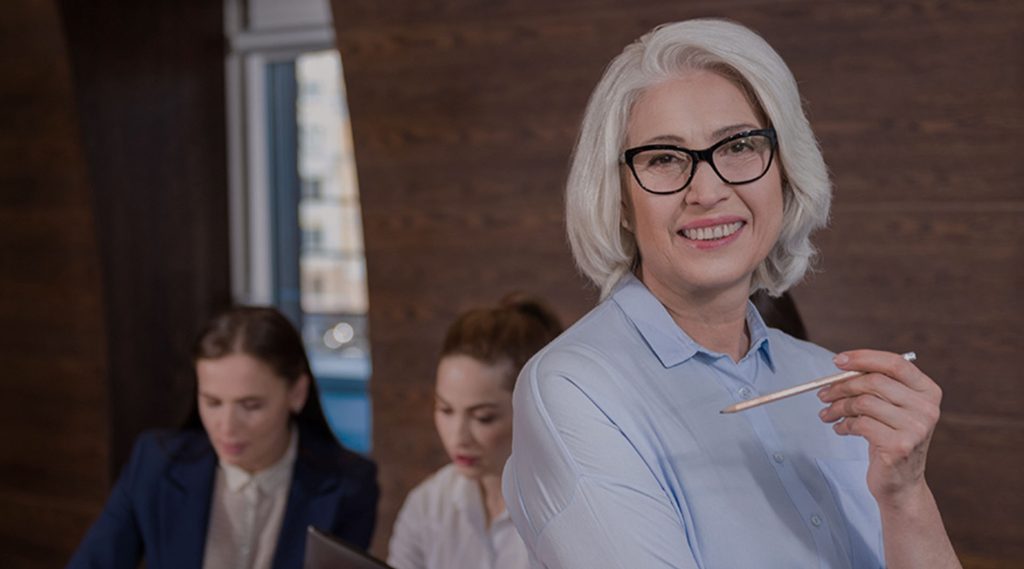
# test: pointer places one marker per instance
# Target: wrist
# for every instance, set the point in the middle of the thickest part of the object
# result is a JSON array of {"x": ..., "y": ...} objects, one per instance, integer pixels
[{"x": 908, "y": 500}]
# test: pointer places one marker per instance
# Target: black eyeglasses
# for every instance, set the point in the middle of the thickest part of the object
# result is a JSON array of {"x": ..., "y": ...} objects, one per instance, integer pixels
[{"x": 739, "y": 159}]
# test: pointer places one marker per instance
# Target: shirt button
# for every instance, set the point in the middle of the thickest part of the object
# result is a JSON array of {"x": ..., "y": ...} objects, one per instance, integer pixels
[
  {"x": 745, "y": 392},
  {"x": 816, "y": 520},
  {"x": 777, "y": 457}
]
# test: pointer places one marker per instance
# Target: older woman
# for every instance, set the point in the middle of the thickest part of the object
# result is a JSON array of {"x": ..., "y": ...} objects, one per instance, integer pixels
[
  {"x": 696, "y": 181},
  {"x": 254, "y": 465}
]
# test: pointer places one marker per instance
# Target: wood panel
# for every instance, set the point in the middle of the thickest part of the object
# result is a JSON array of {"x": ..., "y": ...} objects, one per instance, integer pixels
[
  {"x": 975, "y": 471},
  {"x": 464, "y": 114},
  {"x": 54, "y": 442},
  {"x": 113, "y": 245},
  {"x": 150, "y": 91}
]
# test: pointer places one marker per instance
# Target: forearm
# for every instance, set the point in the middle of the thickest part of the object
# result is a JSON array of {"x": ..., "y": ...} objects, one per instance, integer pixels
[{"x": 913, "y": 532}]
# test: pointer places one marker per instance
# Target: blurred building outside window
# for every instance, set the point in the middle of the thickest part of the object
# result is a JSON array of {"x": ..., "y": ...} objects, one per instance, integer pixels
[{"x": 297, "y": 238}]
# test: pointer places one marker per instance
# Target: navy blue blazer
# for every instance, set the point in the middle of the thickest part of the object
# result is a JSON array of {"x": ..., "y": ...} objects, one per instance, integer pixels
[{"x": 160, "y": 507}]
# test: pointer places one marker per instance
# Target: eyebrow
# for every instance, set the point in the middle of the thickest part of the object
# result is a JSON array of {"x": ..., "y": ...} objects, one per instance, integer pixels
[
  {"x": 717, "y": 135},
  {"x": 477, "y": 407},
  {"x": 245, "y": 399}
]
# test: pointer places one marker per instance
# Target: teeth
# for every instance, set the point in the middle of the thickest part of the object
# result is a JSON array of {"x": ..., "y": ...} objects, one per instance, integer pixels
[{"x": 715, "y": 232}]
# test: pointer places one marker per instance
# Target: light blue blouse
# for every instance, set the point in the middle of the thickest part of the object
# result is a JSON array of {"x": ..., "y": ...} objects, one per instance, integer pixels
[{"x": 620, "y": 457}]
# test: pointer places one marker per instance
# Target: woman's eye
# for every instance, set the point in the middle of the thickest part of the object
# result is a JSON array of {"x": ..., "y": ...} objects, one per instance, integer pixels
[
  {"x": 740, "y": 146},
  {"x": 252, "y": 405},
  {"x": 443, "y": 410},
  {"x": 486, "y": 419},
  {"x": 662, "y": 160},
  {"x": 210, "y": 403}
]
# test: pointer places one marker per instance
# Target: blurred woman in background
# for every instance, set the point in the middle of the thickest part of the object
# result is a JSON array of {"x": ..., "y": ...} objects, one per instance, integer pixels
[
  {"x": 456, "y": 518},
  {"x": 253, "y": 466}
]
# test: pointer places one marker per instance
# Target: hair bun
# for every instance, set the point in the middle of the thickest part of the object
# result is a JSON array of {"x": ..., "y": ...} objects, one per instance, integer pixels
[
  {"x": 511, "y": 330},
  {"x": 532, "y": 307}
]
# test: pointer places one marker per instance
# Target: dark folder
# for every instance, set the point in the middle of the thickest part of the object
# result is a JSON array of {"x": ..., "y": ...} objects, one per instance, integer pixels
[{"x": 324, "y": 551}]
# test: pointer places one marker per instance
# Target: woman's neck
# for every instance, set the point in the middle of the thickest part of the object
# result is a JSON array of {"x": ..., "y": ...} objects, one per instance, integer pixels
[
  {"x": 494, "y": 502},
  {"x": 716, "y": 320}
]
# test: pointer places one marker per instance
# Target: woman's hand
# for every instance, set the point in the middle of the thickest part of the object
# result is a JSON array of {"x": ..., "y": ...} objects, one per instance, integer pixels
[{"x": 895, "y": 407}]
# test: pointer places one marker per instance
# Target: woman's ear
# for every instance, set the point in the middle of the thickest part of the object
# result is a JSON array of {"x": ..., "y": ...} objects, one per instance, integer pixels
[
  {"x": 626, "y": 216},
  {"x": 297, "y": 394},
  {"x": 625, "y": 207}
]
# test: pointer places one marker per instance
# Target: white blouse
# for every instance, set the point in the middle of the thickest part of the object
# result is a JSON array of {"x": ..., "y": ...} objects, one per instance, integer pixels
[
  {"x": 246, "y": 514},
  {"x": 442, "y": 525}
]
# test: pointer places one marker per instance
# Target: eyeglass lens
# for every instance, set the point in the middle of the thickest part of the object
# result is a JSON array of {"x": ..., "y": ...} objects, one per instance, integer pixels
[{"x": 737, "y": 161}]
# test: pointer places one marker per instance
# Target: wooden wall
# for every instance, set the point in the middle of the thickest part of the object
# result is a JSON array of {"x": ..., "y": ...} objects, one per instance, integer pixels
[
  {"x": 464, "y": 114},
  {"x": 53, "y": 428},
  {"x": 149, "y": 88},
  {"x": 113, "y": 245}
]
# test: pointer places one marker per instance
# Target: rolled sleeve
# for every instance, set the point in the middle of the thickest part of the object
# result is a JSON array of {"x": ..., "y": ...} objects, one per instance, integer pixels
[{"x": 578, "y": 491}]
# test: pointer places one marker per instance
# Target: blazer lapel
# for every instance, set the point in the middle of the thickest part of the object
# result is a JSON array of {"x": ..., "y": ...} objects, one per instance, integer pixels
[
  {"x": 185, "y": 497},
  {"x": 312, "y": 500}
]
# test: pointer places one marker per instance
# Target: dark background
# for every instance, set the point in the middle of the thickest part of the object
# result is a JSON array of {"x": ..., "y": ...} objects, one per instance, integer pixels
[{"x": 114, "y": 240}]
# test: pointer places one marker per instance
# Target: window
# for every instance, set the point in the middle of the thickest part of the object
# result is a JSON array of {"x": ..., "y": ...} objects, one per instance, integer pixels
[
  {"x": 311, "y": 188},
  {"x": 296, "y": 224}
]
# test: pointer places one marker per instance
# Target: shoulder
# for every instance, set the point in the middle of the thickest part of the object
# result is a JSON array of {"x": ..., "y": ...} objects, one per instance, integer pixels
[
  {"x": 160, "y": 447},
  {"x": 602, "y": 335},
  {"x": 590, "y": 358},
  {"x": 158, "y": 453},
  {"x": 437, "y": 491},
  {"x": 326, "y": 455}
]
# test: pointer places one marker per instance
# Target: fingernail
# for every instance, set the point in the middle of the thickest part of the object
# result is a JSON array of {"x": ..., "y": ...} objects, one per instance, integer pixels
[
  {"x": 840, "y": 359},
  {"x": 822, "y": 412},
  {"x": 822, "y": 393}
]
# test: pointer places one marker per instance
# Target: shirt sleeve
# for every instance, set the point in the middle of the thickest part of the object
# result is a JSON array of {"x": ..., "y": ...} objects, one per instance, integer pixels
[
  {"x": 579, "y": 493},
  {"x": 405, "y": 549},
  {"x": 114, "y": 541}
]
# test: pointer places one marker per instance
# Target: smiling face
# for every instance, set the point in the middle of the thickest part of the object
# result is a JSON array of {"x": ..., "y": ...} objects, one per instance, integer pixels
[
  {"x": 710, "y": 237},
  {"x": 245, "y": 408},
  {"x": 473, "y": 414}
]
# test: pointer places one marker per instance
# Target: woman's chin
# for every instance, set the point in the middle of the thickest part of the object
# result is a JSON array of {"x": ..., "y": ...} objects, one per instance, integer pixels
[{"x": 471, "y": 471}]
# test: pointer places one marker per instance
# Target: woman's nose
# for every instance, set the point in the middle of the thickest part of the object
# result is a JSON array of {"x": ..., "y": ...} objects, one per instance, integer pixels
[
  {"x": 463, "y": 434},
  {"x": 228, "y": 423},
  {"x": 706, "y": 188}
]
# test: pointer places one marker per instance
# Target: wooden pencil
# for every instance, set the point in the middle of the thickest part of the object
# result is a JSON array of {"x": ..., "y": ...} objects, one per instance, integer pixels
[{"x": 802, "y": 388}]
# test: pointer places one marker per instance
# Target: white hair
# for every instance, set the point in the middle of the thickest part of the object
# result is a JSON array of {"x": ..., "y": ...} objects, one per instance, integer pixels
[{"x": 603, "y": 249}]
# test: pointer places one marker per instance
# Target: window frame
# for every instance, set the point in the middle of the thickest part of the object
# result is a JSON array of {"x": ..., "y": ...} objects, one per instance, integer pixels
[{"x": 250, "y": 51}]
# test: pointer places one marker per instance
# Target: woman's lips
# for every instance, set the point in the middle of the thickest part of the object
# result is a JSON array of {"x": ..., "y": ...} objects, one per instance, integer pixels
[
  {"x": 712, "y": 236},
  {"x": 233, "y": 449},
  {"x": 464, "y": 460},
  {"x": 712, "y": 232}
]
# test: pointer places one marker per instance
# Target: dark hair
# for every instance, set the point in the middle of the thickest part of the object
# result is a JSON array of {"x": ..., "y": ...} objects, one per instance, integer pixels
[
  {"x": 267, "y": 335},
  {"x": 512, "y": 331},
  {"x": 780, "y": 312}
]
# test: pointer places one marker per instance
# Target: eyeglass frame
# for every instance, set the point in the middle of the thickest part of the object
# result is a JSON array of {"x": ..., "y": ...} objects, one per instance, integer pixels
[{"x": 706, "y": 155}]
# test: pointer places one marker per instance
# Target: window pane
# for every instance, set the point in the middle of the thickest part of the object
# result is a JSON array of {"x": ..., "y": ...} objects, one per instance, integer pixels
[{"x": 332, "y": 267}]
